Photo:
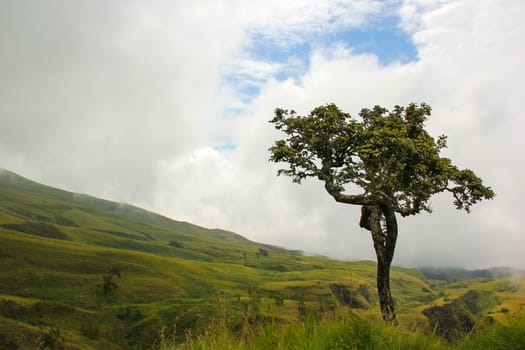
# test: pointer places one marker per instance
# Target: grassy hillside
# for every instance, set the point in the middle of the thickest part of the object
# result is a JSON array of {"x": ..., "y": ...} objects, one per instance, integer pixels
[
  {"x": 33, "y": 201},
  {"x": 83, "y": 273}
]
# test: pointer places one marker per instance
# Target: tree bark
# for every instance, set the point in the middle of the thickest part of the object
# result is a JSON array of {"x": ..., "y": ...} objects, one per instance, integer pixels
[
  {"x": 382, "y": 223},
  {"x": 386, "y": 301}
]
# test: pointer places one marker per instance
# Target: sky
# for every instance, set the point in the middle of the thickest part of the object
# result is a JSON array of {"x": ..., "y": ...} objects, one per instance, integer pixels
[{"x": 165, "y": 105}]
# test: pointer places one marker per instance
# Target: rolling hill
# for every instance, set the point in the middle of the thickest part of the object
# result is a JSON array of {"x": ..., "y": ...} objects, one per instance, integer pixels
[{"x": 77, "y": 272}]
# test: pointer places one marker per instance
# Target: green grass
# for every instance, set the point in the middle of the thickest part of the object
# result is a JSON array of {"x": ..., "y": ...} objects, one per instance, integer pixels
[
  {"x": 347, "y": 332},
  {"x": 508, "y": 335},
  {"x": 350, "y": 331}
]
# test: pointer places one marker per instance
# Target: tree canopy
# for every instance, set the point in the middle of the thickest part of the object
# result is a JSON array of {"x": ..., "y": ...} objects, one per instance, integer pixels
[{"x": 388, "y": 155}]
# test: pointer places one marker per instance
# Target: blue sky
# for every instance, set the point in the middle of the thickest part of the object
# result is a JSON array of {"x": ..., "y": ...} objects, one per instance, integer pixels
[{"x": 382, "y": 37}]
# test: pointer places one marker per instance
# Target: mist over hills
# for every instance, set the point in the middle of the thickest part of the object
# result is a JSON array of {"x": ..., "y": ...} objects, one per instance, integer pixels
[{"x": 451, "y": 274}]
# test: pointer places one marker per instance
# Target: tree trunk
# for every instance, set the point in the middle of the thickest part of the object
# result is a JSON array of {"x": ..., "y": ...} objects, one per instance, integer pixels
[
  {"x": 383, "y": 225},
  {"x": 383, "y": 290}
]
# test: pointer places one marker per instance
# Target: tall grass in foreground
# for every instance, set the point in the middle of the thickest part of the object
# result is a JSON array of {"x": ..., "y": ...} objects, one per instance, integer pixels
[
  {"x": 508, "y": 335},
  {"x": 351, "y": 332}
]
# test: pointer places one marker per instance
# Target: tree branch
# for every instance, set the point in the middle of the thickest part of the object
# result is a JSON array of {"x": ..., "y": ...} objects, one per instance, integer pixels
[{"x": 358, "y": 199}]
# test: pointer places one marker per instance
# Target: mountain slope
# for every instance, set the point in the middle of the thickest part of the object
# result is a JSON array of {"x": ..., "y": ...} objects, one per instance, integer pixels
[{"x": 23, "y": 200}]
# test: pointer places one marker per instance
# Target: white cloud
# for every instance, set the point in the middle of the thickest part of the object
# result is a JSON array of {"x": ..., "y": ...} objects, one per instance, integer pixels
[
  {"x": 91, "y": 96},
  {"x": 292, "y": 21}
]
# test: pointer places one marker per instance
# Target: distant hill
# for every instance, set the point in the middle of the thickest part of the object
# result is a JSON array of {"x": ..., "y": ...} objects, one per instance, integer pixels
[{"x": 451, "y": 274}]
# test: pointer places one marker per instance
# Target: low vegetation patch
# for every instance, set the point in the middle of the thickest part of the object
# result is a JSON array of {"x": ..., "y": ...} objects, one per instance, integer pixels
[
  {"x": 458, "y": 318},
  {"x": 41, "y": 229}
]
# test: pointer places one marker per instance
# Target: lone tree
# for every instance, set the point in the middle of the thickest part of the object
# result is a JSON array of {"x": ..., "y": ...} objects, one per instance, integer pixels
[
  {"x": 385, "y": 162},
  {"x": 108, "y": 284}
]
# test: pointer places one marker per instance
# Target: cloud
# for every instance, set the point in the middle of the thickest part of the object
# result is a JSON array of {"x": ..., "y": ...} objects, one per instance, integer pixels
[
  {"x": 280, "y": 36},
  {"x": 98, "y": 93},
  {"x": 290, "y": 22},
  {"x": 136, "y": 102}
]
